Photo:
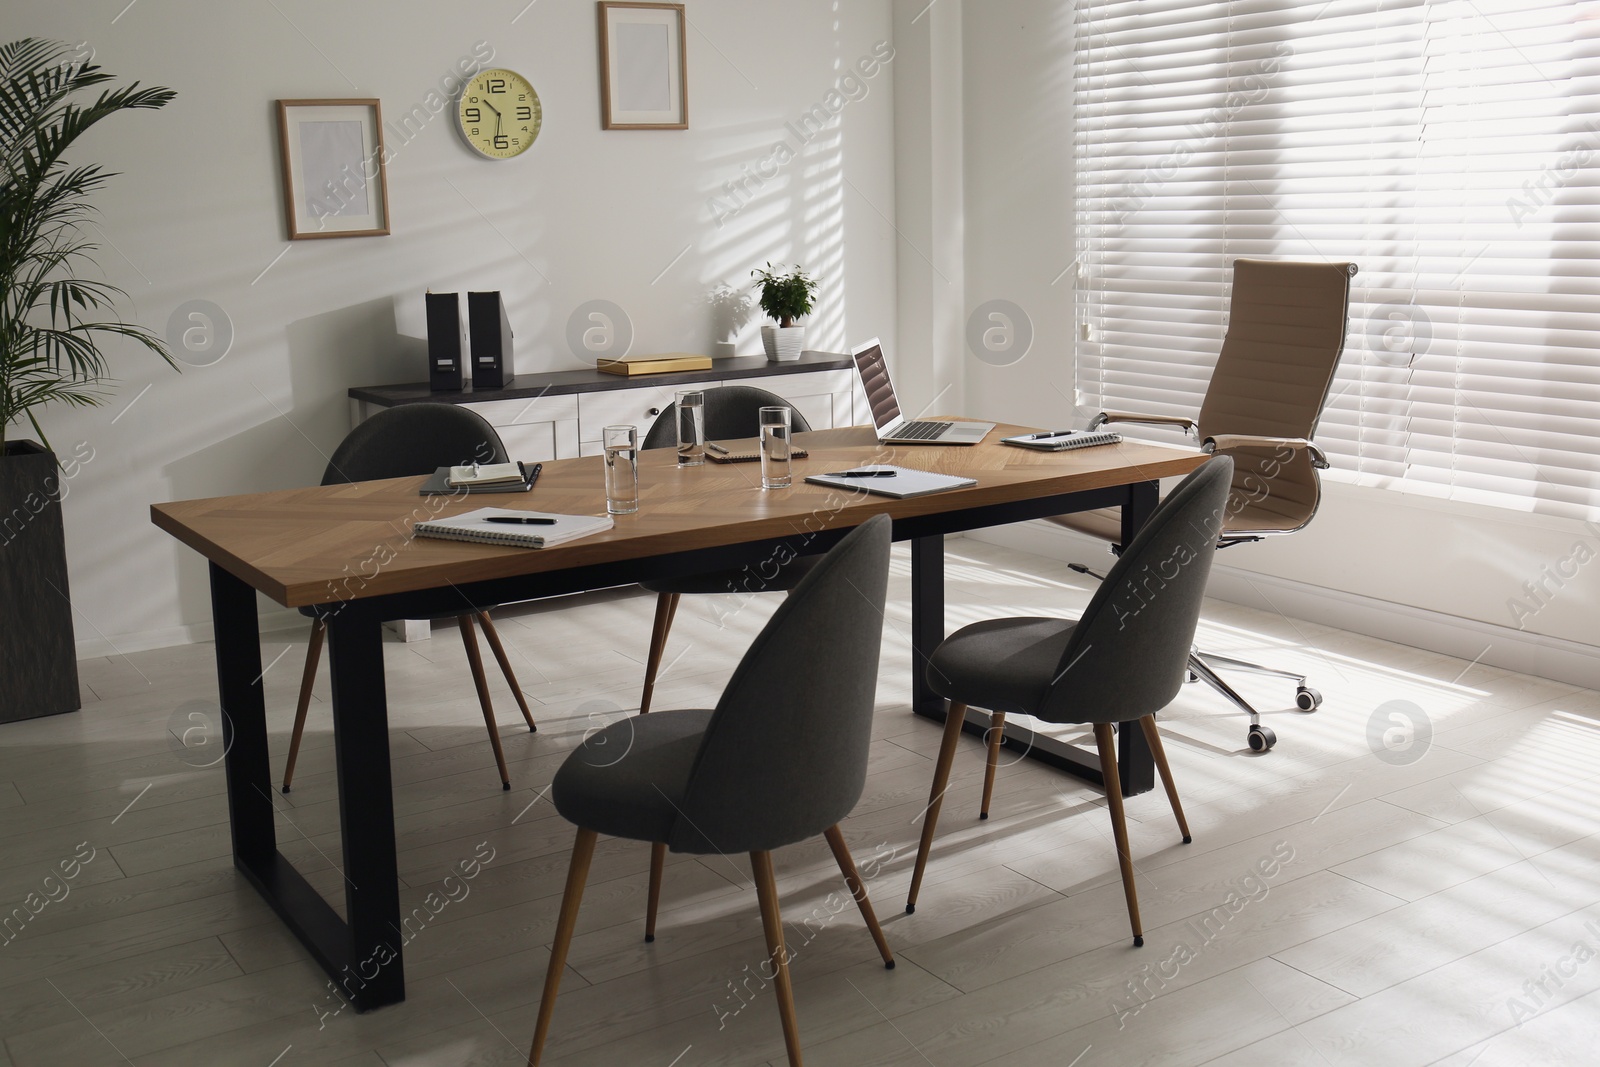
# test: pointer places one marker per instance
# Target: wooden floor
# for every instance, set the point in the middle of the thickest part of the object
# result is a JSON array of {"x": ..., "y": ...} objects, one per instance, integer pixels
[{"x": 1335, "y": 907}]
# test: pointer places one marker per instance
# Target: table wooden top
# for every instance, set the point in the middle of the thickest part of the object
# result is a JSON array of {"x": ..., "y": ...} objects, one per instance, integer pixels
[{"x": 324, "y": 544}]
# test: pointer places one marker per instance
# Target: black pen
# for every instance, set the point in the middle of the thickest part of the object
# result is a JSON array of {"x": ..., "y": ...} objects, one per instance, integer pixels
[
  {"x": 862, "y": 474},
  {"x": 1048, "y": 433},
  {"x": 529, "y": 476},
  {"x": 520, "y": 520}
]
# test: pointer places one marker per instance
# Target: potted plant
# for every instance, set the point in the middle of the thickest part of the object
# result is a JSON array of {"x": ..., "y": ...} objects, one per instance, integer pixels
[
  {"x": 784, "y": 297},
  {"x": 52, "y": 324}
]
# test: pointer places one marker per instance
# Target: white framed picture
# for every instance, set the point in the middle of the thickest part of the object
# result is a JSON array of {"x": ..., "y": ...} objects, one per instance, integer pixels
[
  {"x": 643, "y": 66},
  {"x": 333, "y": 168}
]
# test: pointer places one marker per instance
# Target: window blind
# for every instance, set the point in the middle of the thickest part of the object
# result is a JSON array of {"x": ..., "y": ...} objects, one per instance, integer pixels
[{"x": 1450, "y": 149}]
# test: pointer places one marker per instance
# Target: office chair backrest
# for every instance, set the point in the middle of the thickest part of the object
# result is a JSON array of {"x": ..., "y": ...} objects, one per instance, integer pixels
[
  {"x": 413, "y": 439},
  {"x": 785, "y": 754},
  {"x": 1286, "y": 331},
  {"x": 732, "y": 412},
  {"x": 1129, "y": 652}
]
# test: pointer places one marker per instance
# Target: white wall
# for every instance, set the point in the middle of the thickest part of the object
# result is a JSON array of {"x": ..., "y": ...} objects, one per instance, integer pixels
[
  {"x": 928, "y": 362},
  {"x": 585, "y": 214},
  {"x": 1373, "y": 556},
  {"x": 1018, "y": 206}
]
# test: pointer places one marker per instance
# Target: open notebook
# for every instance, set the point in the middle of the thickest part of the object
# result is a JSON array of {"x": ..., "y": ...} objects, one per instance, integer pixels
[{"x": 476, "y": 526}]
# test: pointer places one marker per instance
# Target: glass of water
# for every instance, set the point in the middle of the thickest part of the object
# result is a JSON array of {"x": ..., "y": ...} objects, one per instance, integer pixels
[
  {"x": 775, "y": 448},
  {"x": 622, "y": 469},
  {"x": 691, "y": 411}
]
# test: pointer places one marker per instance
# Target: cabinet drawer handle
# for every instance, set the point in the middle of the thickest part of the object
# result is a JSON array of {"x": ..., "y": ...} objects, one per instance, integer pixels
[{"x": 653, "y": 412}]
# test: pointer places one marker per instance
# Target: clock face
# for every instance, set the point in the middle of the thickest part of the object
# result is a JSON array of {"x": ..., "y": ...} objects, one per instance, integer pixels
[{"x": 499, "y": 114}]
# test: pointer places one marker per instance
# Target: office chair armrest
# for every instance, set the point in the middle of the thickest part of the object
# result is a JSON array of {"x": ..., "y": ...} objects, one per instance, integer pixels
[
  {"x": 1104, "y": 417},
  {"x": 1222, "y": 442}
]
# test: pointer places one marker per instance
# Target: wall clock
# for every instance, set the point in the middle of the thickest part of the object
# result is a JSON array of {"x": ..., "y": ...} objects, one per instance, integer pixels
[{"x": 499, "y": 114}]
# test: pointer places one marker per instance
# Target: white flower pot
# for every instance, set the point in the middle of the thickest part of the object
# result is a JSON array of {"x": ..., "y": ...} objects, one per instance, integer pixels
[{"x": 783, "y": 344}]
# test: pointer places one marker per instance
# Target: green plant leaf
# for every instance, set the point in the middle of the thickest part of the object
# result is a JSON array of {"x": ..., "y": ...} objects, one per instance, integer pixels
[{"x": 53, "y": 319}]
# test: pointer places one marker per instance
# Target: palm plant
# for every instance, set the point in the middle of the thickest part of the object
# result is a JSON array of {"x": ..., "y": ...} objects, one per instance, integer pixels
[{"x": 52, "y": 321}]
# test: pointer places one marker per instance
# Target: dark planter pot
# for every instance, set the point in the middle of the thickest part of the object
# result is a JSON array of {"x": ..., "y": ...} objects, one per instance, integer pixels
[{"x": 38, "y": 660}]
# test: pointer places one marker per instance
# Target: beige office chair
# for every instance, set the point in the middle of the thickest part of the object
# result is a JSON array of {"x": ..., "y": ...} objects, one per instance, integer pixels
[{"x": 1286, "y": 332}]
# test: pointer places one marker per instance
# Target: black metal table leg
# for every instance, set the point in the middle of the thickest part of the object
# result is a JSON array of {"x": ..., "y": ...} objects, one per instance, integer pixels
[
  {"x": 927, "y": 620},
  {"x": 244, "y": 720},
  {"x": 1135, "y": 765},
  {"x": 362, "y": 956},
  {"x": 366, "y": 810}
]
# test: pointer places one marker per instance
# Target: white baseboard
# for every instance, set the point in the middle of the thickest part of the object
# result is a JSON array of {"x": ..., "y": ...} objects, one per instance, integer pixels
[
  {"x": 1517, "y": 650},
  {"x": 144, "y": 640}
]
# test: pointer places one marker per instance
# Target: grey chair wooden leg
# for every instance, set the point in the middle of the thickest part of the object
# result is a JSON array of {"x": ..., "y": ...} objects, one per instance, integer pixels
[
  {"x": 1152, "y": 737},
  {"x": 954, "y": 717},
  {"x": 658, "y": 863},
  {"x": 505, "y": 667},
  {"x": 1106, "y": 742},
  {"x": 577, "y": 875},
  {"x": 319, "y": 630},
  {"x": 772, "y": 925},
  {"x": 470, "y": 640},
  {"x": 858, "y": 889},
  {"x": 666, "y": 610},
  {"x": 997, "y": 735}
]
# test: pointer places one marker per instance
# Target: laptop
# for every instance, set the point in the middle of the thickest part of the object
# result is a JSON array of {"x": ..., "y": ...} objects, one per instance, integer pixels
[{"x": 893, "y": 427}]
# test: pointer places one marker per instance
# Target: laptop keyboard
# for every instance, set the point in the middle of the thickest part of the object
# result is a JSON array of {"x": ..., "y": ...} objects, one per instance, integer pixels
[{"x": 921, "y": 431}]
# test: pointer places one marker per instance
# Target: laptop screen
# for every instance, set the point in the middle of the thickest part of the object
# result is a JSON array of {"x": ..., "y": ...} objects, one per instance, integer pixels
[{"x": 874, "y": 374}]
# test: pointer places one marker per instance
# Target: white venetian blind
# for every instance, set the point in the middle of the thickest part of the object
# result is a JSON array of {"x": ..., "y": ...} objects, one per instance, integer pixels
[{"x": 1450, "y": 149}]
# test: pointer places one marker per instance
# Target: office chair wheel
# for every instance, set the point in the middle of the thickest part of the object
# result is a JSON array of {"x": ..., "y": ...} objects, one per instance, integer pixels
[
  {"x": 1307, "y": 699},
  {"x": 1262, "y": 738}
]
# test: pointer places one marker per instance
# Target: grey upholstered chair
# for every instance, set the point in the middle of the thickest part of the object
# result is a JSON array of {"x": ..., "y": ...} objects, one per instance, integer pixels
[
  {"x": 732, "y": 412},
  {"x": 1286, "y": 331},
  {"x": 1122, "y": 661},
  {"x": 782, "y": 758},
  {"x": 403, "y": 442}
]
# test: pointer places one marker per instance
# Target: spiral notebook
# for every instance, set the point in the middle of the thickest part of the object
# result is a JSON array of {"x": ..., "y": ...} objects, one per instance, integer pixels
[
  {"x": 884, "y": 479},
  {"x": 1064, "y": 441},
  {"x": 475, "y": 526}
]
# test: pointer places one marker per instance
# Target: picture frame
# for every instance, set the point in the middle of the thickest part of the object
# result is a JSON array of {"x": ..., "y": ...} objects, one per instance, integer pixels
[
  {"x": 643, "y": 66},
  {"x": 334, "y": 181}
]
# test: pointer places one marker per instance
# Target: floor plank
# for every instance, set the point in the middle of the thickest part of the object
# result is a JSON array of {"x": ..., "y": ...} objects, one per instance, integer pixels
[{"x": 1409, "y": 909}]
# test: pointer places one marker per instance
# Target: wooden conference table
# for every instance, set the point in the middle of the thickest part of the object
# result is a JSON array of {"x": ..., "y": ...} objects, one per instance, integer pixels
[{"x": 348, "y": 551}]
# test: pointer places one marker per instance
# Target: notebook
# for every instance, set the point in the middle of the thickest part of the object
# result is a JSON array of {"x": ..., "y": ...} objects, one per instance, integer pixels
[
  {"x": 438, "y": 483},
  {"x": 474, "y": 474},
  {"x": 473, "y": 526},
  {"x": 892, "y": 426},
  {"x": 745, "y": 453},
  {"x": 902, "y": 483},
  {"x": 1064, "y": 441}
]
